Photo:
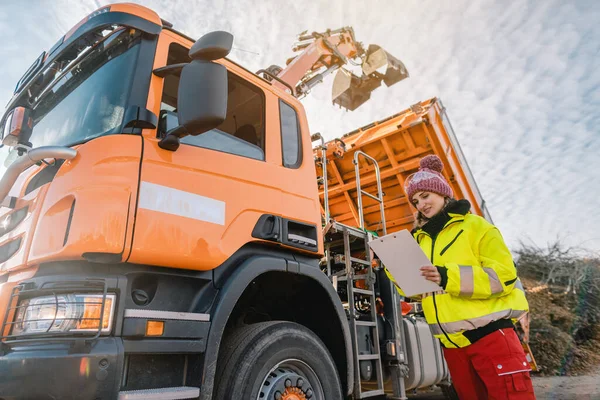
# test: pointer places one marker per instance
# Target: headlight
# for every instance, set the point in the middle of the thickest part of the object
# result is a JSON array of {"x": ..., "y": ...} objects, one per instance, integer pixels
[{"x": 63, "y": 314}]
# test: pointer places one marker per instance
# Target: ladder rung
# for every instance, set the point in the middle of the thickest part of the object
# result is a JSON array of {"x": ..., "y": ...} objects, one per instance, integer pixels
[
  {"x": 354, "y": 231},
  {"x": 365, "y": 323},
  {"x": 355, "y": 277},
  {"x": 372, "y": 393},
  {"x": 357, "y": 233},
  {"x": 360, "y": 261},
  {"x": 368, "y": 357},
  {"x": 362, "y": 291},
  {"x": 377, "y": 199}
]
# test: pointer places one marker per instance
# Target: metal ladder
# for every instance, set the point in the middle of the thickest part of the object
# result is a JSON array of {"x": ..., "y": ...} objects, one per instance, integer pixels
[
  {"x": 370, "y": 279},
  {"x": 348, "y": 274},
  {"x": 397, "y": 371},
  {"x": 360, "y": 192}
]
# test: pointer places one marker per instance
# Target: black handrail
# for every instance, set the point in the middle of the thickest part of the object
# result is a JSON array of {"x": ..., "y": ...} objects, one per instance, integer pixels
[{"x": 264, "y": 71}]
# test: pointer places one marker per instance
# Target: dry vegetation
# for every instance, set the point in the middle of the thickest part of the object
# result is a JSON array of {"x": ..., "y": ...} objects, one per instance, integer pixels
[{"x": 563, "y": 289}]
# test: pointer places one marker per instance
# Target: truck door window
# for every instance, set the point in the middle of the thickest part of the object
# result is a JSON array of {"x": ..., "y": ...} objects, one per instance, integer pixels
[
  {"x": 291, "y": 141},
  {"x": 242, "y": 132}
]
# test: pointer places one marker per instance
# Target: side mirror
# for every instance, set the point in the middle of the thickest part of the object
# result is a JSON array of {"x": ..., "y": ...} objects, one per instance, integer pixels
[
  {"x": 212, "y": 46},
  {"x": 17, "y": 126},
  {"x": 202, "y": 94}
]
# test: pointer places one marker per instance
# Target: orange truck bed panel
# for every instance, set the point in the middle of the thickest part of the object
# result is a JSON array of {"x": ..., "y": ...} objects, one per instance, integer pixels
[{"x": 397, "y": 143}]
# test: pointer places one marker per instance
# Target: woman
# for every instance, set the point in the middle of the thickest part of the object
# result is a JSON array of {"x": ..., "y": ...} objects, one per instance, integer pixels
[{"x": 482, "y": 295}]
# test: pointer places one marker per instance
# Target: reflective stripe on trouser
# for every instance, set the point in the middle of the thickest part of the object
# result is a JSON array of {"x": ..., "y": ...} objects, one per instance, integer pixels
[{"x": 474, "y": 323}]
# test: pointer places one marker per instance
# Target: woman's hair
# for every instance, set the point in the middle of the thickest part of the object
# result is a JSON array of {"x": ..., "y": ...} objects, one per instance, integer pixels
[{"x": 421, "y": 220}]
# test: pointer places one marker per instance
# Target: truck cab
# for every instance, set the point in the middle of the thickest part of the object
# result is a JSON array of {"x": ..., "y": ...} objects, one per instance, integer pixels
[
  {"x": 165, "y": 232},
  {"x": 132, "y": 266}
]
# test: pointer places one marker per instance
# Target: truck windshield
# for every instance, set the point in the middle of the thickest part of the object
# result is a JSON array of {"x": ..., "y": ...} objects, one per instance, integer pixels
[{"x": 88, "y": 99}]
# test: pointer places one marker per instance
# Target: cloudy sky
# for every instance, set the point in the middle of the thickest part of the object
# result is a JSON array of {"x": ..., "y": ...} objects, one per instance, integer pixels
[{"x": 520, "y": 80}]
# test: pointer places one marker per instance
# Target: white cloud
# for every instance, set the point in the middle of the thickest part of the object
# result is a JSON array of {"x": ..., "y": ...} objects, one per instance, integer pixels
[{"x": 520, "y": 81}]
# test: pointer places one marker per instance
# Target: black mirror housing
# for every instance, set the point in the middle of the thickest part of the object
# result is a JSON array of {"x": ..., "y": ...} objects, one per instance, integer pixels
[
  {"x": 202, "y": 93},
  {"x": 201, "y": 101},
  {"x": 202, "y": 96},
  {"x": 212, "y": 46}
]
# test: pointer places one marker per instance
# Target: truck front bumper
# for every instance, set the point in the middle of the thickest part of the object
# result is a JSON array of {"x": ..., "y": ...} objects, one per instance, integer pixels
[
  {"x": 68, "y": 370},
  {"x": 114, "y": 364}
]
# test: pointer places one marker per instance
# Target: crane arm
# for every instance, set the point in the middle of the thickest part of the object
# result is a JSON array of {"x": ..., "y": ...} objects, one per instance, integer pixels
[{"x": 320, "y": 54}]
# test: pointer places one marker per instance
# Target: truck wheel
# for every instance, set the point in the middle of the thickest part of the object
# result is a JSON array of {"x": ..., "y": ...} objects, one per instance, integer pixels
[
  {"x": 450, "y": 392},
  {"x": 276, "y": 360}
]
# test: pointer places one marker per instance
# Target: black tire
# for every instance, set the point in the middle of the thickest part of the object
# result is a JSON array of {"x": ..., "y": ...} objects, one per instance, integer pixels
[
  {"x": 257, "y": 360},
  {"x": 450, "y": 392}
]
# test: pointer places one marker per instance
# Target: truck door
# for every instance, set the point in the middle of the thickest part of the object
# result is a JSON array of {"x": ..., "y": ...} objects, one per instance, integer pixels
[{"x": 199, "y": 204}]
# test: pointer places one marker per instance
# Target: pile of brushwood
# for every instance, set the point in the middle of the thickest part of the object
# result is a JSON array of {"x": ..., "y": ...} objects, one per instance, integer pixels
[{"x": 563, "y": 290}]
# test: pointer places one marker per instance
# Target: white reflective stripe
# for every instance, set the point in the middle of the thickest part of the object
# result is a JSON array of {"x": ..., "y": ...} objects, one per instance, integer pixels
[
  {"x": 435, "y": 329},
  {"x": 519, "y": 285},
  {"x": 156, "y": 314},
  {"x": 184, "y": 204},
  {"x": 514, "y": 372},
  {"x": 467, "y": 281},
  {"x": 495, "y": 285},
  {"x": 474, "y": 323},
  {"x": 171, "y": 393}
]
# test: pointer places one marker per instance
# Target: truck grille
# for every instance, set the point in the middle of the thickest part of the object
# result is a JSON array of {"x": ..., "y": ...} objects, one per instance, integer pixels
[{"x": 7, "y": 250}]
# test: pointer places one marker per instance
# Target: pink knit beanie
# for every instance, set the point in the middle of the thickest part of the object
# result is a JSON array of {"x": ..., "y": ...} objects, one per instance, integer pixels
[{"x": 429, "y": 178}]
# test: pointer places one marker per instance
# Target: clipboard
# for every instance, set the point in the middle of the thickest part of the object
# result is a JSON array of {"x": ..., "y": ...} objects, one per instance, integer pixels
[{"x": 403, "y": 258}]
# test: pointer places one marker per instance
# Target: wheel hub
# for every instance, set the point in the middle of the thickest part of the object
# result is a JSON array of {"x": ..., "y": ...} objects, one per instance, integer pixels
[
  {"x": 286, "y": 384},
  {"x": 293, "y": 393}
]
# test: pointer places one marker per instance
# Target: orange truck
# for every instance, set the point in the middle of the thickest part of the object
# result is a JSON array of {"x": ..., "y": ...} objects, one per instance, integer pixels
[{"x": 163, "y": 236}]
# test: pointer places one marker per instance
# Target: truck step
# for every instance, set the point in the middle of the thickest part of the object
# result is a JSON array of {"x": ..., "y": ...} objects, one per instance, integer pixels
[
  {"x": 365, "y": 323},
  {"x": 372, "y": 393},
  {"x": 172, "y": 393},
  {"x": 368, "y": 357}
]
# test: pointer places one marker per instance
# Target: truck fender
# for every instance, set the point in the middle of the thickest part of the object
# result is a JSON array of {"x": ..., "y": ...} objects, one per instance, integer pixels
[{"x": 233, "y": 289}]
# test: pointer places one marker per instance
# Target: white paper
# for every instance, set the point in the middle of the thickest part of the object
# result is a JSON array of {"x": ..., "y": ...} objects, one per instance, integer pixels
[{"x": 403, "y": 258}]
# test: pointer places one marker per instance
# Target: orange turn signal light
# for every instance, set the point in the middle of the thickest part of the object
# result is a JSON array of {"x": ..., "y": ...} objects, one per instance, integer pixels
[{"x": 155, "y": 328}]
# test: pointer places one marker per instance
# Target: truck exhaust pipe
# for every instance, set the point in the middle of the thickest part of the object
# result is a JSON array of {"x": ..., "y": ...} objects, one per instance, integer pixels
[{"x": 27, "y": 160}]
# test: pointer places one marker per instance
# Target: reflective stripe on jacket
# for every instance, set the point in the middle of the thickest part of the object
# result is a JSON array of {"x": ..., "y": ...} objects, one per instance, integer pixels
[{"x": 482, "y": 284}]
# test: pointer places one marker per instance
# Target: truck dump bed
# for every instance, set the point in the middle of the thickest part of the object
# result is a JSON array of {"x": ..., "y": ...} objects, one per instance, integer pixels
[{"x": 397, "y": 143}]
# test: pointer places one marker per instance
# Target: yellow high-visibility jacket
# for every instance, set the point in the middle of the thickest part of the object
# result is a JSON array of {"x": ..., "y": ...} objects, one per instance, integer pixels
[{"x": 482, "y": 291}]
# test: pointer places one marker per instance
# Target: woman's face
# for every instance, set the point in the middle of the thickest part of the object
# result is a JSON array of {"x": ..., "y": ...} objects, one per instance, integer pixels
[{"x": 428, "y": 203}]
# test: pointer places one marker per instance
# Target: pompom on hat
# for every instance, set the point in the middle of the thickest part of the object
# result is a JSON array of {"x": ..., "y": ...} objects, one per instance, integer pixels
[{"x": 429, "y": 178}]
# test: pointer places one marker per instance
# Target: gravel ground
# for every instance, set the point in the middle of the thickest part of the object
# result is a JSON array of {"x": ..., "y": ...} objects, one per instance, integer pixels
[
  {"x": 568, "y": 387},
  {"x": 553, "y": 388}
]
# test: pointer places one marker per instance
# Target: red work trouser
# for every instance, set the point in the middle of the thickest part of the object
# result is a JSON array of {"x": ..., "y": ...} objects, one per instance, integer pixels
[{"x": 494, "y": 367}]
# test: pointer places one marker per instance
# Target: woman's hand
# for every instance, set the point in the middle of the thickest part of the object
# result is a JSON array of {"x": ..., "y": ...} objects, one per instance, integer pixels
[{"x": 431, "y": 274}]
